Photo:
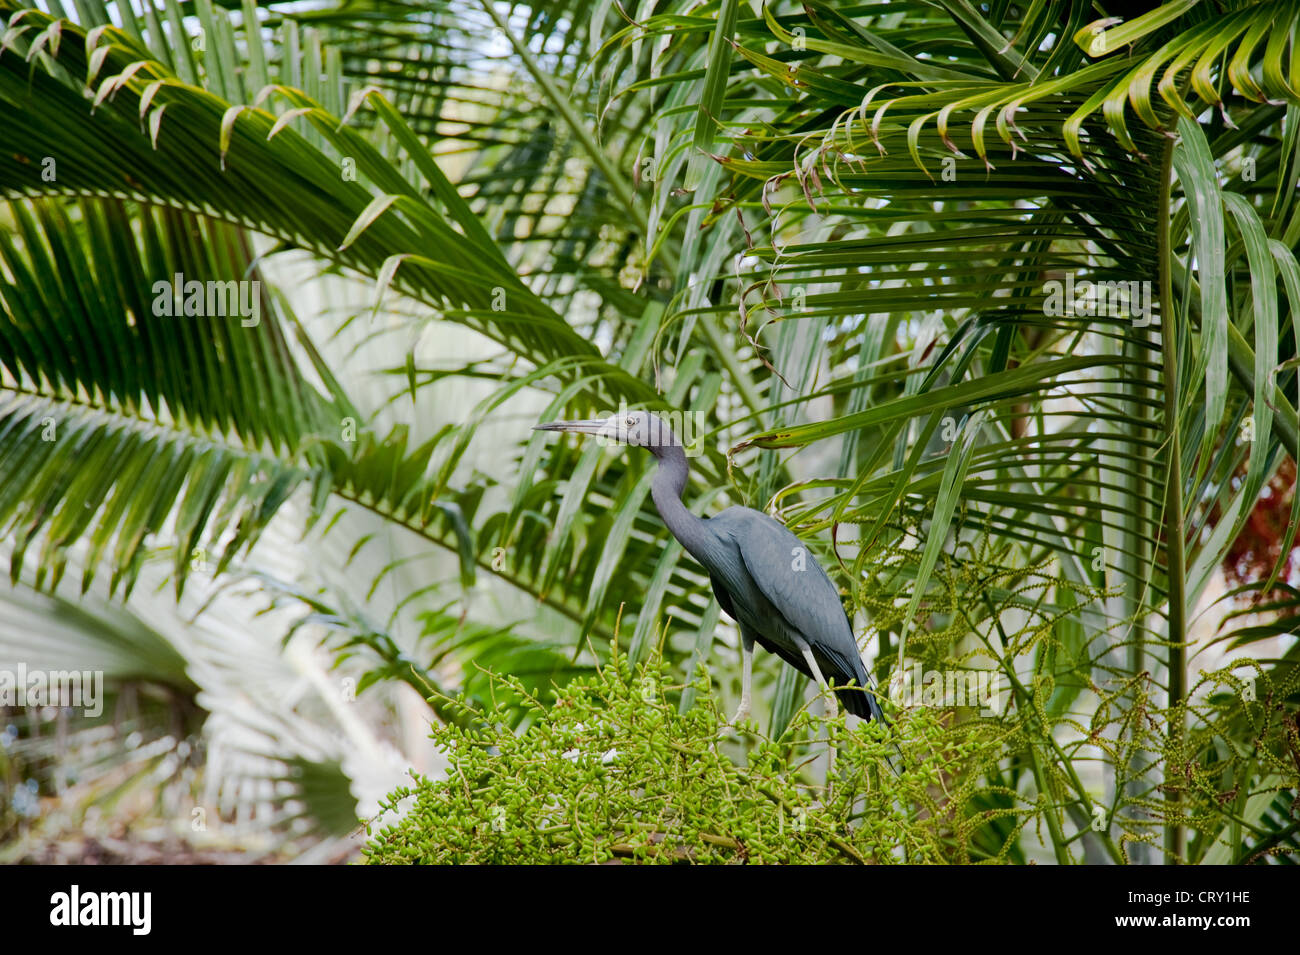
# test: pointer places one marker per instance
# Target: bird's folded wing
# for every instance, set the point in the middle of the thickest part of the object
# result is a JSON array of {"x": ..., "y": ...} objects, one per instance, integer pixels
[{"x": 788, "y": 575}]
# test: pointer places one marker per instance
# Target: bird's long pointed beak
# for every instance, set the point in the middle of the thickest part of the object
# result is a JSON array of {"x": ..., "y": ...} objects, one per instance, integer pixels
[{"x": 590, "y": 426}]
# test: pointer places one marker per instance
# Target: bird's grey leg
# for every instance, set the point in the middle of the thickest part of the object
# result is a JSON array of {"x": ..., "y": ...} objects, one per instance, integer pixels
[
  {"x": 746, "y": 675},
  {"x": 832, "y": 709}
]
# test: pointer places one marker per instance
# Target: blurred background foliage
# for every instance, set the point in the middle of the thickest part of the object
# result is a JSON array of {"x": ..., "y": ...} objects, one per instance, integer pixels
[{"x": 828, "y": 232}]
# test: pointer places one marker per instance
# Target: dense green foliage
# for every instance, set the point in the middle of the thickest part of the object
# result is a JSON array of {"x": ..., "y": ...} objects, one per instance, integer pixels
[
  {"x": 610, "y": 769},
  {"x": 837, "y": 236},
  {"x": 628, "y": 764}
]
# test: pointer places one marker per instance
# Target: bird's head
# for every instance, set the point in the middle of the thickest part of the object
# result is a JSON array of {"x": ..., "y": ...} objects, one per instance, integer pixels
[{"x": 640, "y": 429}]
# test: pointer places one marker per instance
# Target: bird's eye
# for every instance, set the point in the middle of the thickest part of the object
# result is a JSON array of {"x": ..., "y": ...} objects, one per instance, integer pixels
[{"x": 631, "y": 421}]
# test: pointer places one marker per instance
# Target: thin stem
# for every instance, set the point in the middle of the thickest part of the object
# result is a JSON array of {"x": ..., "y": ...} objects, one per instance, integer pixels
[{"x": 1175, "y": 541}]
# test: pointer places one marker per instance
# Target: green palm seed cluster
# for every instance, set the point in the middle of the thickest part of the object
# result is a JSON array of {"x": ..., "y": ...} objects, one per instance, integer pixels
[{"x": 611, "y": 771}]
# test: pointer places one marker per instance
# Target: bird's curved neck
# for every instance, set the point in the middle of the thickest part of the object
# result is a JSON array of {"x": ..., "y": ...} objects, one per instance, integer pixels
[{"x": 666, "y": 491}]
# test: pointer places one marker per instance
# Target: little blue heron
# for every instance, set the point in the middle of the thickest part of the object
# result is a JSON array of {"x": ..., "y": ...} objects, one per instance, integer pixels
[{"x": 762, "y": 574}]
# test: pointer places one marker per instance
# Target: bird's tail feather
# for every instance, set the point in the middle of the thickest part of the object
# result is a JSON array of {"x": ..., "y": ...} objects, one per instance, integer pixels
[{"x": 861, "y": 702}]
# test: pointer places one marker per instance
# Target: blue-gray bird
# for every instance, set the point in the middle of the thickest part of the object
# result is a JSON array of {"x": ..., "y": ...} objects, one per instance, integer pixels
[{"x": 763, "y": 575}]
